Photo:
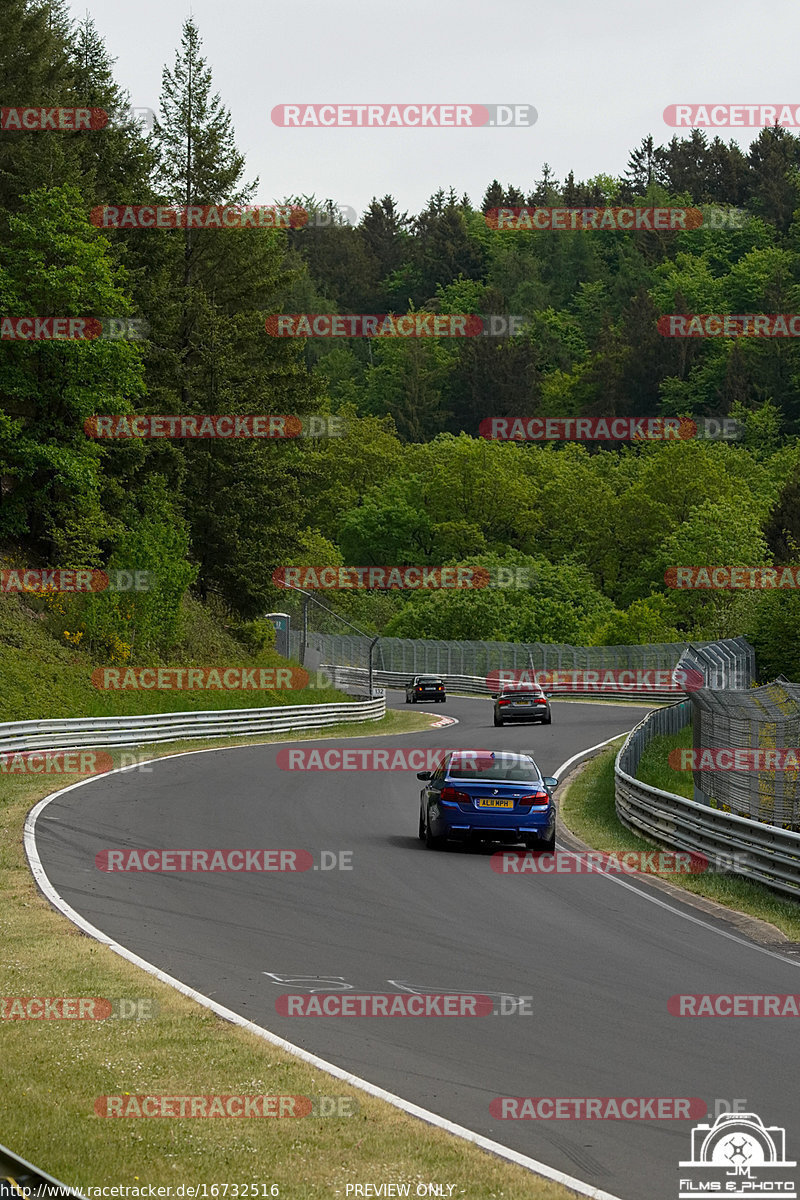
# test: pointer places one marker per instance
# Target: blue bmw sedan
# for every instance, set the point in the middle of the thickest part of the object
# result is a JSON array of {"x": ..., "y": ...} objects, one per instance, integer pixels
[{"x": 495, "y": 796}]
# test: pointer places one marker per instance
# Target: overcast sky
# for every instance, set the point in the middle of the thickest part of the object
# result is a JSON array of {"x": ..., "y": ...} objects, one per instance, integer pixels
[{"x": 598, "y": 74}]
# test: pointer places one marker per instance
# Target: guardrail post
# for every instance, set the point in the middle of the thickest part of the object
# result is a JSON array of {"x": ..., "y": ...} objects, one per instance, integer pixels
[
  {"x": 701, "y": 797},
  {"x": 305, "y": 631},
  {"x": 372, "y": 646}
]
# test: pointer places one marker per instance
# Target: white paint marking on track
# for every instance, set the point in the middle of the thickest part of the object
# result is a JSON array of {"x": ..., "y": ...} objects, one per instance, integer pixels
[
  {"x": 589, "y": 750},
  {"x": 227, "y": 1014},
  {"x": 414, "y": 1110},
  {"x": 442, "y": 722},
  {"x": 647, "y": 894}
]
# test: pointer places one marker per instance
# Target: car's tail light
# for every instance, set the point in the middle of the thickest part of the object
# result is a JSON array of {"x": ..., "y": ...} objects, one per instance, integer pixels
[
  {"x": 503, "y": 703},
  {"x": 541, "y": 700},
  {"x": 535, "y": 798},
  {"x": 451, "y": 796}
]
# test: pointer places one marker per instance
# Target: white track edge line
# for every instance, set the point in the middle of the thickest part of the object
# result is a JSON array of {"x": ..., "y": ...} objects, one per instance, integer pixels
[
  {"x": 414, "y": 1110},
  {"x": 645, "y": 892}
]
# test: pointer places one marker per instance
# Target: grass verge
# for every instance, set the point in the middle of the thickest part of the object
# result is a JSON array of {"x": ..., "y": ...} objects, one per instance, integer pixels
[
  {"x": 54, "y": 1070},
  {"x": 587, "y": 808},
  {"x": 654, "y": 766},
  {"x": 44, "y": 677}
]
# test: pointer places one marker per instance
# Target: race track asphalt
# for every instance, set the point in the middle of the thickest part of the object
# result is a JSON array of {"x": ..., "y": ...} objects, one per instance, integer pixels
[{"x": 599, "y": 957}]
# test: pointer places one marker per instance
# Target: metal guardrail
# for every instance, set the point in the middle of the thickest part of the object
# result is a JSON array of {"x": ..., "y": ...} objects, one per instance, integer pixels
[
  {"x": 20, "y": 736},
  {"x": 765, "y": 853},
  {"x": 25, "y": 1180},
  {"x": 357, "y": 676}
]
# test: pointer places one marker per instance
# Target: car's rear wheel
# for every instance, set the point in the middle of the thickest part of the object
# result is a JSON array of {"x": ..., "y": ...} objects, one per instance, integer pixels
[
  {"x": 421, "y": 832},
  {"x": 497, "y": 720},
  {"x": 547, "y": 720},
  {"x": 536, "y": 843},
  {"x": 433, "y": 843}
]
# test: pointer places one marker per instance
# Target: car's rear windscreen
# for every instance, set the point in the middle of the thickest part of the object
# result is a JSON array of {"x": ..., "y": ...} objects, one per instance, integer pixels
[{"x": 505, "y": 770}]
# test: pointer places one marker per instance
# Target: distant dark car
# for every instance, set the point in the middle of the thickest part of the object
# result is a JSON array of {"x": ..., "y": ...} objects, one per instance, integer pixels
[
  {"x": 528, "y": 704},
  {"x": 491, "y": 796},
  {"x": 425, "y": 687}
]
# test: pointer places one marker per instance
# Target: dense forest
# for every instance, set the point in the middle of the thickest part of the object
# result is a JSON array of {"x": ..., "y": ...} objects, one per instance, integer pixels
[{"x": 597, "y": 524}]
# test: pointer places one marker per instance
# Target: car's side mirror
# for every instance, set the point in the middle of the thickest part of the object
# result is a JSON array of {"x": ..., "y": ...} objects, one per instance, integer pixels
[
  {"x": 423, "y": 774},
  {"x": 550, "y": 781},
  {"x": 548, "y": 693},
  {"x": 494, "y": 695}
]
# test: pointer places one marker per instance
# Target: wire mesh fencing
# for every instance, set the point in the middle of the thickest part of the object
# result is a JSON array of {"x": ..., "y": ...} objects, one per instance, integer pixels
[
  {"x": 657, "y": 671},
  {"x": 746, "y": 751},
  {"x": 728, "y": 663}
]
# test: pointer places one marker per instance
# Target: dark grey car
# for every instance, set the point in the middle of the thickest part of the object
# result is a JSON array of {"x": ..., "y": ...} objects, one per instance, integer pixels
[
  {"x": 528, "y": 704},
  {"x": 426, "y": 687}
]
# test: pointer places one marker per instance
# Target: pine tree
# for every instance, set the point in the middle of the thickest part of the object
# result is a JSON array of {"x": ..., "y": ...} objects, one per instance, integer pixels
[
  {"x": 384, "y": 231},
  {"x": 493, "y": 196},
  {"x": 116, "y": 161},
  {"x": 546, "y": 192},
  {"x": 198, "y": 162},
  {"x": 645, "y": 167},
  {"x": 213, "y": 290},
  {"x": 782, "y": 530},
  {"x": 36, "y": 70},
  {"x": 775, "y": 161}
]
